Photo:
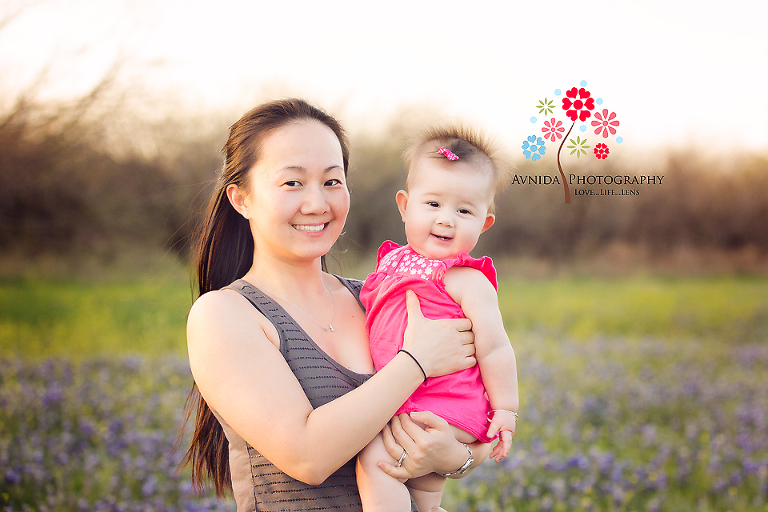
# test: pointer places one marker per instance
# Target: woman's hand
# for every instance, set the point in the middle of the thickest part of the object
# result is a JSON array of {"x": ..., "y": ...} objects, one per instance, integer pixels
[
  {"x": 432, "y": 449},
  {"x": 440, "y": 346}
]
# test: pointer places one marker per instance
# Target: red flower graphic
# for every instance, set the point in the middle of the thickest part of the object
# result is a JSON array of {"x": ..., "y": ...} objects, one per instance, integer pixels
[
  {"x": 553, "y": 130},
  {"x": 578, "y": 107},
  {"x": 605, "y": 123},
  {"x": 601, "y": 150}
]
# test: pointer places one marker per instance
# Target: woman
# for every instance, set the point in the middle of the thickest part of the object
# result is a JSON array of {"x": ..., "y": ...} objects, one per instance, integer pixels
[{"x": 278, "y": 348}]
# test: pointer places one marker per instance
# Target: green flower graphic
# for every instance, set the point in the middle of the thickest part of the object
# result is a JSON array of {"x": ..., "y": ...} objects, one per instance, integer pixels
[
  {"x": 546, "y": 106},
  {"x": 579, "y": 147}
]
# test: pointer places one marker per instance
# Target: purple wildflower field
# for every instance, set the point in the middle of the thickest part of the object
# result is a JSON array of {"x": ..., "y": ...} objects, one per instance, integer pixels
[
  {"x": 94, "y": 436},
  {"x": 606, "y": 424},
  {"x": 622, "y": 425},
  {"x": 656, "y": 418}
]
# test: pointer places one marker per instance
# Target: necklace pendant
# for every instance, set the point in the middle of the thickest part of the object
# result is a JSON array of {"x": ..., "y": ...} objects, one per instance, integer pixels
[
  {"x": 330, "y": 326},
  {"x": 323, "y": 328}
]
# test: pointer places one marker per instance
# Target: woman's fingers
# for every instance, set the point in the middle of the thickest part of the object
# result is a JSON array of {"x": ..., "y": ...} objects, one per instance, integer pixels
[
  {"x": 430, "y": 420},
  {"x": 401, "y": 435},
  {"x": 397, "y": 473},
  {"x": 412, "y": 306},
  {"x": 440, "y": 346},
  {"x": 393, "y": 448},
  {"x": 395, "y": 451},
  {"x": 393, "y": 435}
]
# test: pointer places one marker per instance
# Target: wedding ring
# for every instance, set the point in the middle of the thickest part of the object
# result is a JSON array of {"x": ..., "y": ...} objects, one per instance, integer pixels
[{"x": 402, "y": 458}]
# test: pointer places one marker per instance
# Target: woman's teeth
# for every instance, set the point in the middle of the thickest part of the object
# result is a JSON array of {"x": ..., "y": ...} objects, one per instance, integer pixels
[{"x": 305, "y": 227}]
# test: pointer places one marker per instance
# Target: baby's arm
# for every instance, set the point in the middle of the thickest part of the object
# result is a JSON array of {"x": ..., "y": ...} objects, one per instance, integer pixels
[{"x": 495, "y": 356}]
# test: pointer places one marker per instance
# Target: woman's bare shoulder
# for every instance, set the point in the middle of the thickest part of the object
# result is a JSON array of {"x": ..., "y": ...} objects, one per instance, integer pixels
[
  {"x": 221, "y": 314},
  {"x": 215, "y": 301}
]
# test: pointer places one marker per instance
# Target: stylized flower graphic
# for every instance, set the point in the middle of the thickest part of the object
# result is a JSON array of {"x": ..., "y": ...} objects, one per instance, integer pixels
[
  {"x": 578, "y": 108},
  {"x": 581, "y": 107},
  {"x": 579, "y": 147},
  {"x": 605, "y": 123},
  {"x": 601, "y": 151},
  {"x": 553, "y": 129},
  {"x": 534, "y": 148},
  {"x": 546, "y": 106}
]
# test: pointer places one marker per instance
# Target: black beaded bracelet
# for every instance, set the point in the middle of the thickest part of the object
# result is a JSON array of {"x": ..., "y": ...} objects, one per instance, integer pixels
[{"x": 415, "y": 361}]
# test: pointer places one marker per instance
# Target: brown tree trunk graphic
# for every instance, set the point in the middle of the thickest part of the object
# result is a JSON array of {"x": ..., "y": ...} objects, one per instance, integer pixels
[{"x": 560, "y": 167}]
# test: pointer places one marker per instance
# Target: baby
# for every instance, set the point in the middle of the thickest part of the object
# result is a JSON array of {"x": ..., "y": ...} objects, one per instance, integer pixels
[{"x": 449, "y": 201}]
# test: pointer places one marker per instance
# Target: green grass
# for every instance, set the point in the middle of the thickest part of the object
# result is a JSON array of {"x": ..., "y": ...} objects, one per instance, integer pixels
[
  {"x": 725, "y": 307},
  {"x": 41, "y": 318},
  {"x": 52, "y": 317}
]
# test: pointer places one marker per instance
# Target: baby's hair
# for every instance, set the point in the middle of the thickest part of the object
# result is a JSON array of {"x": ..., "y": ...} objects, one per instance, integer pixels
[{"x": 466, "y": 143}]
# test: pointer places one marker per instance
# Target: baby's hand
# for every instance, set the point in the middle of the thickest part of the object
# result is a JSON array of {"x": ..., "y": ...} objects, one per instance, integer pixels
[
  {"x": 501, "y": 450},
  {"x": 504, "y": 423}
]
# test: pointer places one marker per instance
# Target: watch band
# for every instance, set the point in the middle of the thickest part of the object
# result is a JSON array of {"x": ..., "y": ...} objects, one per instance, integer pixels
[{"x": 465, "y": 467}]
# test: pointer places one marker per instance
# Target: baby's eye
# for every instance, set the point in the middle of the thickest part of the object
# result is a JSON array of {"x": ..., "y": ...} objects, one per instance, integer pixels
[
  {"x": 433, "y": 204},
  {"x": 464, "y": 211}
]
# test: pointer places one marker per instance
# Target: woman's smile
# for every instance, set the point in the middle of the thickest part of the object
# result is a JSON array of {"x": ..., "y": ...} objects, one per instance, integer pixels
[{"x": 310, "y": 228}]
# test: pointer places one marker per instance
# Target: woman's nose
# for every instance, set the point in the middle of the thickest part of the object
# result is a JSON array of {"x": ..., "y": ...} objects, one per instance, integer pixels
[{"x": 314, "y": 201}]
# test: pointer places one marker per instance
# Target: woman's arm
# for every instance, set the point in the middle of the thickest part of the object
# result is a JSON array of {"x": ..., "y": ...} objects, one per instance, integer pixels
[{"x": 242, "y": 375}]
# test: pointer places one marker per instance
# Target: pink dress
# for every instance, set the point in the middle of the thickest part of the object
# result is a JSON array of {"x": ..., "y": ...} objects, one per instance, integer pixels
[{"x": 460, "y": 398}]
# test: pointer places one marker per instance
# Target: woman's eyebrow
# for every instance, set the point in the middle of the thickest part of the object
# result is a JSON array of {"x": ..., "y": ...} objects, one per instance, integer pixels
[{"x": 299, "y": 168}]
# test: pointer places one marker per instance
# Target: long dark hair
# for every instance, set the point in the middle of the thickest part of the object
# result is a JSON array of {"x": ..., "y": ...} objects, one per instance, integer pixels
[{"x": 224, "y": 253}]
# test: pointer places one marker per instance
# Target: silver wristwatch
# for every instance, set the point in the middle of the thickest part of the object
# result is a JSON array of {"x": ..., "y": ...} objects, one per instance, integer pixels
[{"x": 464, "y": 467}]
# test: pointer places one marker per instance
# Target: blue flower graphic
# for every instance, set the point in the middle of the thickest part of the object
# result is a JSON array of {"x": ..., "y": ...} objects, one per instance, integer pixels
[{"x": 534, "y": 148}]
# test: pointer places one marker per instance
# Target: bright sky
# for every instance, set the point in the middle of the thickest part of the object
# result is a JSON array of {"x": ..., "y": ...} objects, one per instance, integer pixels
[{"x": 675, "y": 72}]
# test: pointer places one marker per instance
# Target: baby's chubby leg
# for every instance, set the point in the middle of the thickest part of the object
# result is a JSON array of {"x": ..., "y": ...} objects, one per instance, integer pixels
[
  {"x": 380, "y": 492},
  {"x": 427, "y": 491}
]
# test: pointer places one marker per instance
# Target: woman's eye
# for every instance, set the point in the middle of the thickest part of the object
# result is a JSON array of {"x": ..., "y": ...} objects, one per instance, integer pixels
[
  {"x": 333, "y": 183},
  {"x": 292, "y": 183}
]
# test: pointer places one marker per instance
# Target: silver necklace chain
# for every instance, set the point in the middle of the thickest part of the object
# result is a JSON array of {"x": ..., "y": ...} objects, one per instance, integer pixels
[{"x": 333, "y": 304}]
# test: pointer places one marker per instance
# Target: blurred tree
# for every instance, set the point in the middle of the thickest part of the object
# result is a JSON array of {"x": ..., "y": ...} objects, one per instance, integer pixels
[{"x": 112, "y": 169}]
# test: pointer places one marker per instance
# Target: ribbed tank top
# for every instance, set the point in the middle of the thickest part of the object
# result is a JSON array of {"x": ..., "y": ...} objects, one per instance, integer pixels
[{"x": 258, "y": 485}]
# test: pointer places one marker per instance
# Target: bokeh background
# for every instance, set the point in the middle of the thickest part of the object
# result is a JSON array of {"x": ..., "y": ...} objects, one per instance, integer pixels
[{"x": 639, "y": 321}]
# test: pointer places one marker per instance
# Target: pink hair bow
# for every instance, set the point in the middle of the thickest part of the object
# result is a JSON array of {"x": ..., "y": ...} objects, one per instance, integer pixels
[{"x": 447, "y": 153}]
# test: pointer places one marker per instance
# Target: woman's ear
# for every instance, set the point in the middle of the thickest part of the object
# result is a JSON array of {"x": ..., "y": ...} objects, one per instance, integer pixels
[
  {"x": 236, "y": 198},
  {"x": 401, "y": 198}
]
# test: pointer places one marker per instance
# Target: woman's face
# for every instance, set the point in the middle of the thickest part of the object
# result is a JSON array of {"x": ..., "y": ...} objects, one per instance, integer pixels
[{"x": 297, "y": 200}]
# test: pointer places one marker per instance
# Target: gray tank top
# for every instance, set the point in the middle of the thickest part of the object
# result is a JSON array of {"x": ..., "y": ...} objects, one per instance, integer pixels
[{"x": 258, "y": 484}]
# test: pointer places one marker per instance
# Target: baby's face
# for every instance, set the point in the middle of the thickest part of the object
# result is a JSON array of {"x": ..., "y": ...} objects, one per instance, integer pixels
[{"x": 446, "y": 207}]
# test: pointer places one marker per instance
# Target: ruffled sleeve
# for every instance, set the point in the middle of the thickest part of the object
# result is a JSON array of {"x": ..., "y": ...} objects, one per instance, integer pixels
[
  {"x": 484, "y": 265},
  {"x": 385, "y": 249}
]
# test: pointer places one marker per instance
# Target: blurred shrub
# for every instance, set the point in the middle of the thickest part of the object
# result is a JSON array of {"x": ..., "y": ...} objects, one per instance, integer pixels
[
  {"x": 92, "y": 177},
  {"x": 66, "y": 189}
]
